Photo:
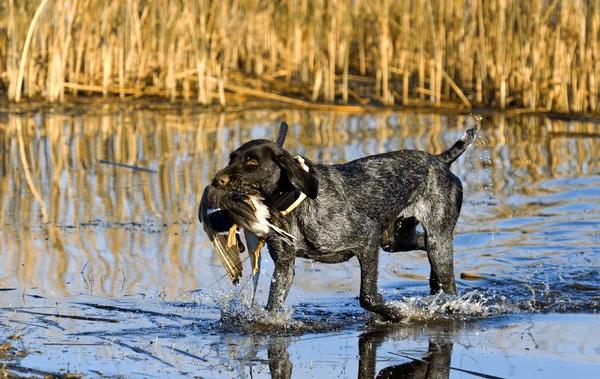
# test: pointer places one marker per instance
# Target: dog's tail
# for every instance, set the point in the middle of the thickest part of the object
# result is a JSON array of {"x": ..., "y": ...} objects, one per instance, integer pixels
[{"x": 459, "y": 147}]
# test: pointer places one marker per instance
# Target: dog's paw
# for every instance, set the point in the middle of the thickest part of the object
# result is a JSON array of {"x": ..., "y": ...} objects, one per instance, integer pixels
[
  {"x": 391, "y": 317},
  {"x": 390, "y": 313}
]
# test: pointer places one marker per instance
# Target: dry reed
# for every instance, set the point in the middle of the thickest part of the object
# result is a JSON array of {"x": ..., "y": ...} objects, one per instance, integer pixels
[{"x": 538, "y": 55}]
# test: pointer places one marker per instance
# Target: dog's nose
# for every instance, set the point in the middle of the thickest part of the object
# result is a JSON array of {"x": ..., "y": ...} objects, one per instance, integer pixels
[{"x": 221, "y": 180}]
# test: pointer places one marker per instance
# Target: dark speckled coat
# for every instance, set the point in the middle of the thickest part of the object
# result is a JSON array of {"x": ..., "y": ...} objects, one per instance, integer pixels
[{"x": 355, "y": 208}]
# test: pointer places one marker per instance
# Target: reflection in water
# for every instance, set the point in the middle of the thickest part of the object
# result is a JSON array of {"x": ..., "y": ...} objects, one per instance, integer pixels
[
  {"x": 280, "y": 364},
  {"x": 435, "y": 364},
  {"x": 174, "y": 339},
  {"x": 70, "y": 223}
]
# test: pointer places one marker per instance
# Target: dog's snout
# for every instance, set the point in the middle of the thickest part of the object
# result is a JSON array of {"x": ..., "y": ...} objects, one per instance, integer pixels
[{"x": 221, "y": 180}]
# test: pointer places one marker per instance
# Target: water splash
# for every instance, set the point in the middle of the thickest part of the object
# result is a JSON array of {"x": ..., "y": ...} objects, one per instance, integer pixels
[
  {"x": 239, "y": 314},
  {"x": 470, "y": 305}
]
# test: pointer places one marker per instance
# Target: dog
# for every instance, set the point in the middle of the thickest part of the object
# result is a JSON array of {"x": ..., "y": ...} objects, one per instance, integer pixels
[{"x": 331, "y": 213}]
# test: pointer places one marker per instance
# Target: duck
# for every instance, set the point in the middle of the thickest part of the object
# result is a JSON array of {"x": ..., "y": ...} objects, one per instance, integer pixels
[{"x": 224, "y": 213}]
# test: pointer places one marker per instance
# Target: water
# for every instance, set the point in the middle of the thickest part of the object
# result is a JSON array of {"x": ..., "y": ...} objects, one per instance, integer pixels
[{"x": 121, "y": 249}]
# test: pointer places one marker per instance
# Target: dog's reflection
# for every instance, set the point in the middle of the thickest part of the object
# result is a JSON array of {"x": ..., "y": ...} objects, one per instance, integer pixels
[
  {"x": 434, "y": 365},
  {"x": 280, "y": 363}
]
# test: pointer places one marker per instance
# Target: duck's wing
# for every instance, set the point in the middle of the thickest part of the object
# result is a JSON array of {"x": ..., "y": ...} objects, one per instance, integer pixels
[
  {"x": 241, "y": 210},
  {"x": 229, "y": 255},
  {"x": 215, "y": 221}
]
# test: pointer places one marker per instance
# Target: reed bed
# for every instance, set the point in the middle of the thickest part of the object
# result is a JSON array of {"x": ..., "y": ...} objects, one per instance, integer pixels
[{"x": 537, "y": 55}]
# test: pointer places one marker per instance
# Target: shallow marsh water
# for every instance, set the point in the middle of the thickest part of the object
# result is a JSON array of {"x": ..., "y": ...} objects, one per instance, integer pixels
[{"x": 121, "y": 249}]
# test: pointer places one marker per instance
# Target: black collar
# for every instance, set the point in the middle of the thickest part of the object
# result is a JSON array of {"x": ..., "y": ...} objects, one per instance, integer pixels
[{"x": 282, "y": 199}]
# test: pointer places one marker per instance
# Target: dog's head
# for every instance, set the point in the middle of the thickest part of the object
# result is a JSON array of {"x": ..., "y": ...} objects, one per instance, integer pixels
[{"x": 262, "y": 168}]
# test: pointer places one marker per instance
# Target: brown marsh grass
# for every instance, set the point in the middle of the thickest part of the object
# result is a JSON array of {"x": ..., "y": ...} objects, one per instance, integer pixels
[{"x": 537, "y": 55}]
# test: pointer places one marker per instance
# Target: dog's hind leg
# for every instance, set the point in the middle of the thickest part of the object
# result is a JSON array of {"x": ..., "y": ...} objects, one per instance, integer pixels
[
  {"x": 439, "y": 220},
  {"x": 282, "y": 276},
  {"x": 440, "y": 252}
]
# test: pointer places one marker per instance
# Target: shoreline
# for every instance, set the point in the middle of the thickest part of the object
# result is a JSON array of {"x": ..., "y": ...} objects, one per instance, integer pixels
[{"x": 161, "y": 104}]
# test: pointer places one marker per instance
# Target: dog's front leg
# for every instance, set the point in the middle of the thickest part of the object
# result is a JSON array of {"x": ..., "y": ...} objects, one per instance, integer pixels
[
  {"x": 370, "y": 298},
  {"x": 283, "y": 276}
]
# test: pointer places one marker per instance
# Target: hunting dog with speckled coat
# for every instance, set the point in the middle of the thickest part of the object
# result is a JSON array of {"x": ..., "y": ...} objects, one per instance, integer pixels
[{"x": 331, "y": 213}]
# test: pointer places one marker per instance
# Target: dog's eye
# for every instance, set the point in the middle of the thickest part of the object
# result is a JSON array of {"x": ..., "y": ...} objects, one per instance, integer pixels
[{"x": 251, "y": 161}]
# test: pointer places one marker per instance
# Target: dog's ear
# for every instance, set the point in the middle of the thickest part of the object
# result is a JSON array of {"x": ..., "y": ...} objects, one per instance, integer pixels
[{"x": 304, "y": 181}]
